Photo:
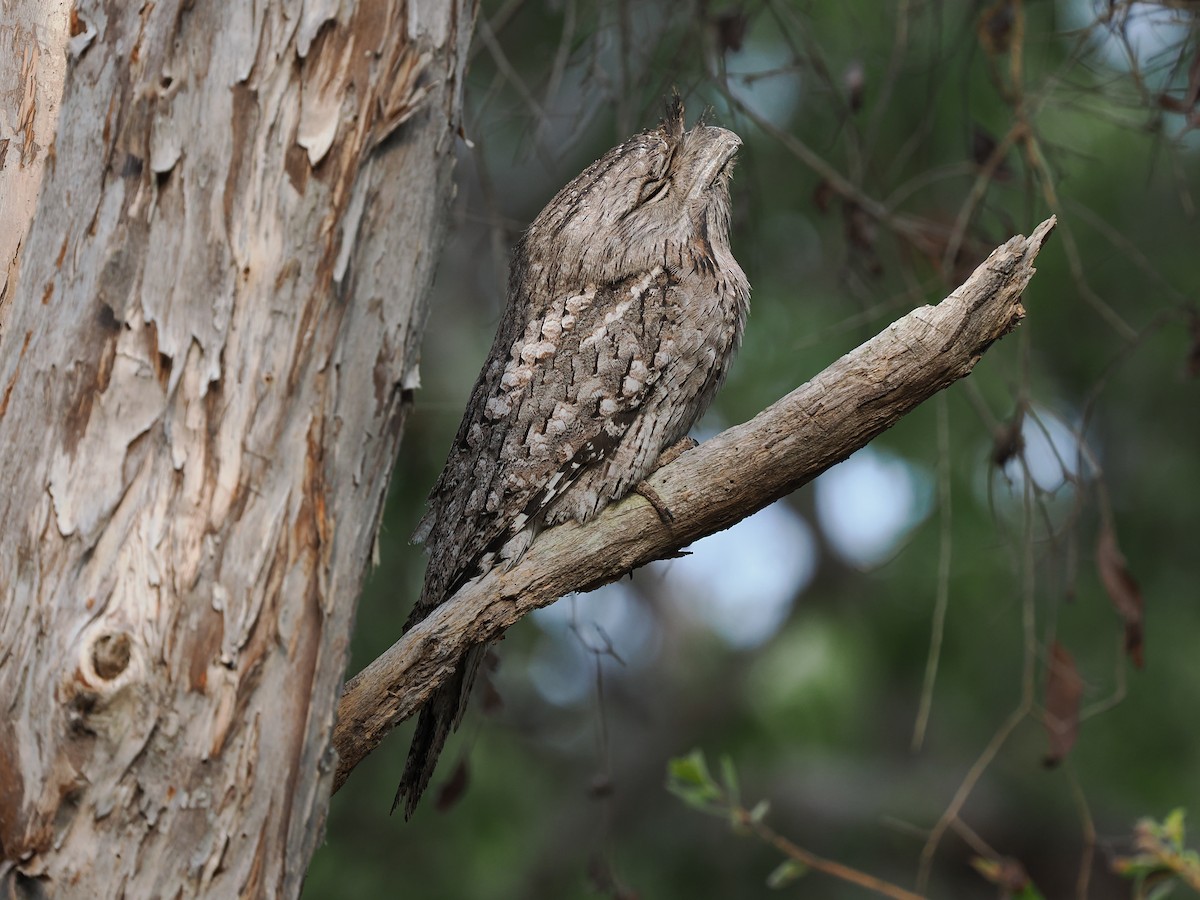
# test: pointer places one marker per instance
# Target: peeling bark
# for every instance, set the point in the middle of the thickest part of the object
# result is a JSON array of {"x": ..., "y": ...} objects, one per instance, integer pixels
[
  {"x": 33, "y": 37},
  {"x": 202, "y": 371}
]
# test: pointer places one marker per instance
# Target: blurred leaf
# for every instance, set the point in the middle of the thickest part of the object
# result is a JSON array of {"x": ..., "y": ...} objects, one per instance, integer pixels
[
  {"x": 730, "y": 781},
  {"x": 1123, "y": 591},
  {"x": 854, "y": 80},
  {"x": 1162, "y": 860},
  {"x": 601, "y": 785},
  {"x": 1173, "y": 827},
  {"x": 822, "y": 196},
  {"x": 785, "y": 873},
  {"x": 1009, "y": 875},
  {"x": 452, "y": 789},
  {"x": 1191, "y": 97},
  {"x": 730, "y": 28},
  {"x": 691, "y": 770},
  {"x": 983, "y": 145},
  {"x": 689, "y": 779},
  {"x": 492, "y": 702},
  {"x": 996, "y": 26},
  {"x": 1162, "y": 891},
  {"x": 862, "y": 234},
  {"x": 1009, "y": 440},
  {"x": 761, "y": 808},
  {"x": 1064, "y": 691}
]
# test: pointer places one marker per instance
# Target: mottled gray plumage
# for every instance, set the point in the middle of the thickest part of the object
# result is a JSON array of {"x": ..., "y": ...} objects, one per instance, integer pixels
[{"x": 625, "y": 307}]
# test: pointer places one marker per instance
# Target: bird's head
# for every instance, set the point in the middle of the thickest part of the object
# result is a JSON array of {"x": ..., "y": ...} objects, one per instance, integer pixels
[{"x": 649, "y": 201}]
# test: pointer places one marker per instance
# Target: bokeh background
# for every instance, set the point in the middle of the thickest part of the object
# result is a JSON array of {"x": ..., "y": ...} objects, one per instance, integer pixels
[{"x": 798, "y": 643}]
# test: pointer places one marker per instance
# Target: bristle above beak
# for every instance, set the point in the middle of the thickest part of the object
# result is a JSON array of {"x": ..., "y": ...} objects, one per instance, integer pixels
[{"x": 672, "y": 122}]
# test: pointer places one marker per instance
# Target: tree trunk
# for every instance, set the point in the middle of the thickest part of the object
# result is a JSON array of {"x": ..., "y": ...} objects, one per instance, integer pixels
[{"x": 210, "y": 332}]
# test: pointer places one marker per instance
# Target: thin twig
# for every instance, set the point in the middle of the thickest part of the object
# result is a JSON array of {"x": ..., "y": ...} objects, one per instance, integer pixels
[
  {"x": 943, "y": 581},
  {"x": 1089, "y": 834},
  {"x": 883, "y": 102},
  {"x": 965, "y": 788},
  {"x": 1015, "y": 718},
  {"x": 819, "y": 863}
]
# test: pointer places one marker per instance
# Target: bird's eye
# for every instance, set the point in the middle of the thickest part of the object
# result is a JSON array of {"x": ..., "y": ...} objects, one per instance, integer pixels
[{"x": 653, "y": 189}]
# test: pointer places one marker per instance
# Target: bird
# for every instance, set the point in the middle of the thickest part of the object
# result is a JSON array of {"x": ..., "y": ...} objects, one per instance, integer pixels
[{"x": 625, "y": 308}]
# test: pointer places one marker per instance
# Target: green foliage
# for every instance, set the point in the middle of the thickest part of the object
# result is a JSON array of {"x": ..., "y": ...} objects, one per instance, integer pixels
[
  {"x": 1009, "y": 876},
  {"x": 1163, "y": 861},
  {"x": 689, "y": 780},
  {"x": 785, "y": 873}
]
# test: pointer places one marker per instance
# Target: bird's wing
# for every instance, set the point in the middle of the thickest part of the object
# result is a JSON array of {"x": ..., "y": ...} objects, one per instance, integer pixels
[{"x": 554, "y": 405}]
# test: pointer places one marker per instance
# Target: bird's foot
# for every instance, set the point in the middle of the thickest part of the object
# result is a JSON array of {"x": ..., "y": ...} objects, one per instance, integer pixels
[{"x": 676, "y": 450}]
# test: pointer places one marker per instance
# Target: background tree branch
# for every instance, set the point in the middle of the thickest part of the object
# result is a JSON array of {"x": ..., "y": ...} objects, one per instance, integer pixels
[{"x": 708, "y": 489}]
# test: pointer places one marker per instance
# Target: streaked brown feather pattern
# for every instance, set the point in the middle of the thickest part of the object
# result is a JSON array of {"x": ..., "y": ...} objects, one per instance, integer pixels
[{"x": 625, "y": 307}]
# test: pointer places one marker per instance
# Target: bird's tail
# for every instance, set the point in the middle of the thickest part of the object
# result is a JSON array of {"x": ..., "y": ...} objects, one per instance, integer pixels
[{"x": 437, "y": 719}]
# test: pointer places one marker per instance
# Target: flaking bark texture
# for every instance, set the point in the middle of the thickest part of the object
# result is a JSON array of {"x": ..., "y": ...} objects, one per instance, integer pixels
[
  {"x": 203, "y": 371},
  {"x": 625, "y": 307},
  {"x": 32, "y": 39}
]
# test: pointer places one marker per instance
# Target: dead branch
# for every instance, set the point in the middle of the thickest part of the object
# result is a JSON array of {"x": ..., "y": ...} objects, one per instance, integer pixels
[{"x": 705, "y": 490}]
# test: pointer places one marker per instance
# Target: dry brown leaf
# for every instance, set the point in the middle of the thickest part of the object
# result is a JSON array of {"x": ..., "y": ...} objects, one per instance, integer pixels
[
  {"x": 854, "y": 80},
  {"x": 996, "y": 27},
  {"x": 1008, "y": 442},
  {"x": 451, "y": 790},
  {"x": 823, "y": 196},
  {"x": 983, "y": 145},
  {"x": 1123, "y": 591},
  {"x": 1064, "y": 691},
  {"x": 731, "y": 30}
]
